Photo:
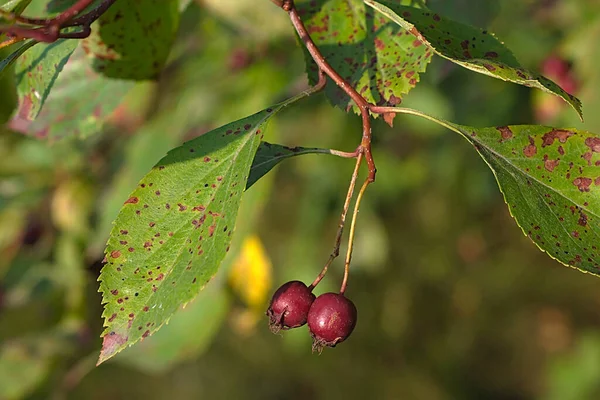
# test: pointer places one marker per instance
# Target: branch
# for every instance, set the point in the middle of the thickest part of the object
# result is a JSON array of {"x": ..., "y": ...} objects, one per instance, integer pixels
[
  {"x": 359, "y": 100},
  {"x": 48, "y": 30}
]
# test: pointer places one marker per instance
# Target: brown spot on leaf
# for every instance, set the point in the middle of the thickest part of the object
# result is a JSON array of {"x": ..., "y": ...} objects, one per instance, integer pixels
[
  {"x": 550, "y": 165},
  {"x": 132, "y": 200},
  {"x": 111, "y": 344},
  {"x": 560, "y": 134},
  {"x": 115, "y": 254},
  {"x": 530, "y": 150},
  {"x": 582, "y": 219},
  {"x": 583, "y": 184},
  {"x": 593, "y": 143},
  {"x": 505, "y": 132}
]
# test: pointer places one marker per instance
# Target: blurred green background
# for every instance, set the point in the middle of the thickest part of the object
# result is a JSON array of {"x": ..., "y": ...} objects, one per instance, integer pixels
[{"x": 454, "y": 302}]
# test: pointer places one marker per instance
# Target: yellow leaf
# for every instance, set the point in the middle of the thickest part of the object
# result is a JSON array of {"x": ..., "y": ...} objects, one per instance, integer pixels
[{"x": 250, "y": 276}]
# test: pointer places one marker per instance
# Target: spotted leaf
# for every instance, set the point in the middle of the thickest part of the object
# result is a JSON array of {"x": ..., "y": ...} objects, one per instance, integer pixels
[
  {"x": 550, "y": 179},
  {"x": 36, "y": 72},
  {"x": 269, "y": 155},
  {"x": 379, "y": 59},
  {"x": 175, "y": 229},
  {"x": 469, "y": 47},
  {"x": 133, "y": 38},
  {"x": 65, "y": 114}
]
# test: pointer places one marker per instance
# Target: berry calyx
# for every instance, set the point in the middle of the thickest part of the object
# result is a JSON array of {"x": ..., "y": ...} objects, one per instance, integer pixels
[
  {"x": 331, "y": 319},
  {"x": 289, "y": 306}
]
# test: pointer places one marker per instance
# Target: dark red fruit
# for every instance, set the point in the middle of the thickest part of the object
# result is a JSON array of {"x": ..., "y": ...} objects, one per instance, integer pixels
[
  {"x": 331, "y": 319},
  {"x": 289, "y": 306}
]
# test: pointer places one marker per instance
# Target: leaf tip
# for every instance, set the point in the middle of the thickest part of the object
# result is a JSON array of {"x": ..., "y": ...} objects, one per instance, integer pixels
[{"x": 112, "y": 343}]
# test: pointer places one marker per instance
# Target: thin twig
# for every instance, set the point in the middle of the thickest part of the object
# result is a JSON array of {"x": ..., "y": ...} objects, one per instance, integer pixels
[
  {"x": 323, "y": 65},
  {"x": 351, "y": 236},
  {"x": 71, "y": 12},
  {"x": 48, "y": 30},
  {"x": 340, "y": 231},
  {"x": 363, "y": 150}
]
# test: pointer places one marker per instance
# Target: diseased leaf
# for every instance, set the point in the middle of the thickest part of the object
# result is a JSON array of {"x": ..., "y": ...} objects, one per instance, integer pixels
[
  {"x": 36, "y": 71},
  {"x": 469, "y": 47},
  {"x": 80, "y": 101},
  {"x": 174, "y": 230},
  {"x": 550, "y": 179},
  {"x": 133, "y": 38},
  {"x": 379, "y": 59},
  {"x": 269, "y": 155}
]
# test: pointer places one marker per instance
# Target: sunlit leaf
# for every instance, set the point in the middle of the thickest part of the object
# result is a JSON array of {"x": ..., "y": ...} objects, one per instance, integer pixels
[
  {"x": 175, "y": 229},
  {"x": 469, "y": 47},
  {"x": 550, "y": 179},
  {"x": 379, "y": 59}
]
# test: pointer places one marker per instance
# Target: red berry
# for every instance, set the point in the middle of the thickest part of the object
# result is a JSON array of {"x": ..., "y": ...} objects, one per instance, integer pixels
[
  {"x": 289, "y": 306},
  {"x": 331, "y": 319}
]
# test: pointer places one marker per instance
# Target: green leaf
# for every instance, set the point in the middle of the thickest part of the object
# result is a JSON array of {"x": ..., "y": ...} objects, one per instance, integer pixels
[
  {"x": 187, "y": 336},
  {"x": 14, "y": 6},
  {"x": 469, "y": 47},
  {"x": 269, "y": 155},
  {"x": 12, "y": 57},
  {"x": 174, "y": 230},
  {"x": 379, "y": 59},
  {"x": 132, "y": 40},
  {"x": 36, "y": 71},
  {"x": 550, "y": 179},
  {"x": 80, "y": 101}
]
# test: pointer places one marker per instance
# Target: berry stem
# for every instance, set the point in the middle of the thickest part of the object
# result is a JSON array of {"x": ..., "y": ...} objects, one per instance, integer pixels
[
  {"x": 351, "y": 236},
  {"x": 362, "y": 151},
  {"x": 340, "y": 231}
]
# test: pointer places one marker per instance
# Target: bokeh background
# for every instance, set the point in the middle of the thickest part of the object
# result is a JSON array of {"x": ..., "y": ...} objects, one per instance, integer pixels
[{"x": 454, "y": 301}]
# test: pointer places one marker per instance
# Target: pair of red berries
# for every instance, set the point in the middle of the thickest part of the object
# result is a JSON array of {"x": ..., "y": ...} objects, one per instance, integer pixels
[{"x": 331, "y": 317}]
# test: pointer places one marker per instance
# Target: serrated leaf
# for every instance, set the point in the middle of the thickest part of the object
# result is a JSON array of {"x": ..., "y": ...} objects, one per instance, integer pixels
[
  {"x": 550, "y": 179},
  {"x": 36, "y": 71},
  {"x": 78, "y": 104},
  {"x": 132, "y": 40},
  {"x": 174, "y": 230},
  {"x": 469, "y": 47},
  {"x": 269, "y": 155},
  {"x": 379, "y": 59}
]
